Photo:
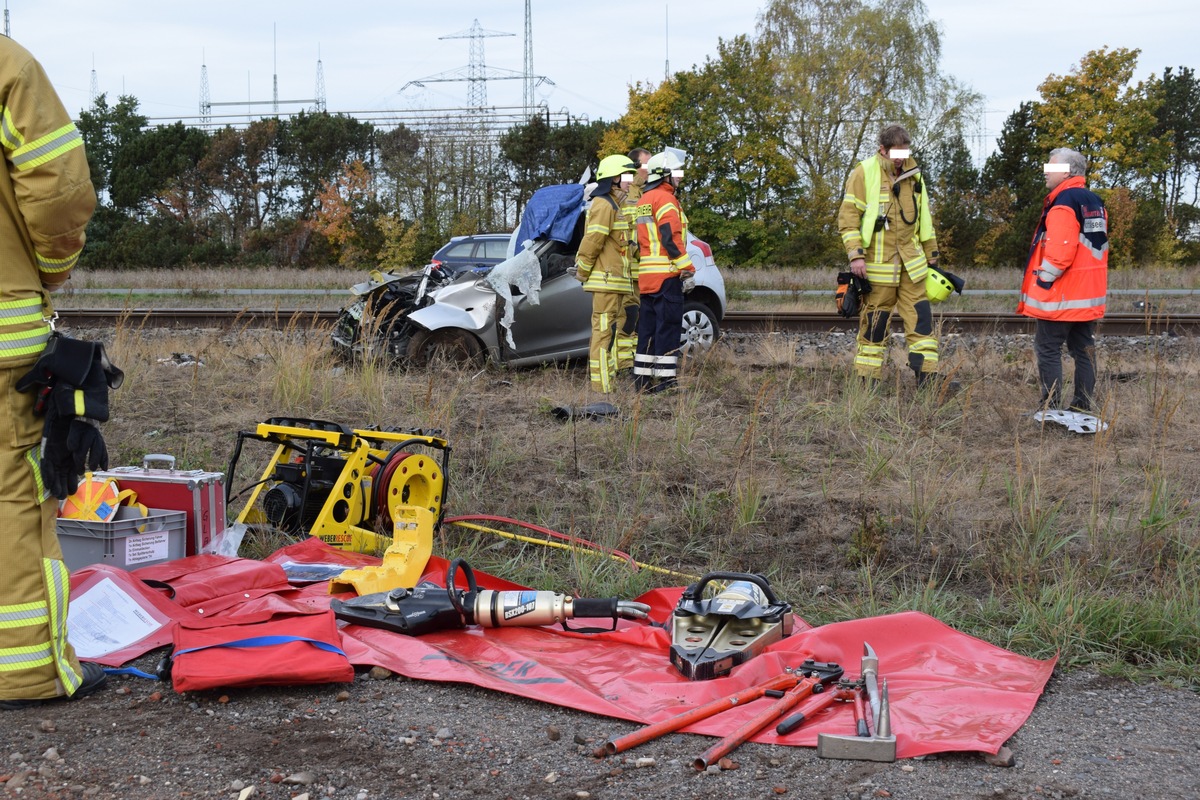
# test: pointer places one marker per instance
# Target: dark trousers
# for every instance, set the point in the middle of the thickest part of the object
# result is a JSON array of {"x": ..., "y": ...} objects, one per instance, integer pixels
[
  {"x": 660, "y": 326},
  {"x": 1080, "y": 339}
]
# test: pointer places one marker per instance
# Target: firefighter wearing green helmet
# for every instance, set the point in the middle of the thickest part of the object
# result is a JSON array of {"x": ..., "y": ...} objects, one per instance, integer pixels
[
  {"x": 602, "y": 266},
  {"x": 887, "y": 231}
]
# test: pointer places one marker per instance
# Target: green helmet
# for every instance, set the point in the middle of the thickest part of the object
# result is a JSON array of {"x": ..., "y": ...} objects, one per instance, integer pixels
[
  {"x": 937, "y": 286},
  {"x": 611, "y": 166}
]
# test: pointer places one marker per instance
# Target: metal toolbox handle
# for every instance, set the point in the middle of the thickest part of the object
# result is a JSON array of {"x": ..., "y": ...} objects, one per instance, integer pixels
[{"x": 152, "y": 458}]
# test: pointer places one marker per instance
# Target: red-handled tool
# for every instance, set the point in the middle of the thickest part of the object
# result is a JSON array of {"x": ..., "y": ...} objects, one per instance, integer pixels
[{"x": 789, "y": 688}]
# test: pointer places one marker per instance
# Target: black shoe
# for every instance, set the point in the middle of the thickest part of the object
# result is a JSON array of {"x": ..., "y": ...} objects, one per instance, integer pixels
[{"x": 94, "y": 679}]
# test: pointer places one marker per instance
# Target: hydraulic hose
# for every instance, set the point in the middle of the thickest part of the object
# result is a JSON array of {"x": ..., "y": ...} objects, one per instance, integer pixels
[{"x": 559, "y": 540}]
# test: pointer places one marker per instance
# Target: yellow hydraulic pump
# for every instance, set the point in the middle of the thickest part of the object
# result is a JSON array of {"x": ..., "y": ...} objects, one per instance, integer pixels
[{"x": 366, "y": 490}]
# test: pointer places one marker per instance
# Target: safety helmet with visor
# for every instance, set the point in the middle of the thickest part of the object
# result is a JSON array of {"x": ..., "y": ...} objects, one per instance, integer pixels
[
  {"x": 612, "y": 166},
  {"x": 667, "y": 163}
]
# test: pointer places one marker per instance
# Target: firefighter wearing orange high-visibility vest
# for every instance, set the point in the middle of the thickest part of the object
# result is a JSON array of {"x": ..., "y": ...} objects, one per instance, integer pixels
[
  {"x": 1066, "y": 280},
  {"x": 626, "y": 344},
  {"x": 665, "y": 273}
]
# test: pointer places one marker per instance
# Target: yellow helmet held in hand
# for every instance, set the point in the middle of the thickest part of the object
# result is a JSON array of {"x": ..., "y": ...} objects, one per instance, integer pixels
[
  {"x": 937, "y": 286},
  {"x": 611, "y": 166}
]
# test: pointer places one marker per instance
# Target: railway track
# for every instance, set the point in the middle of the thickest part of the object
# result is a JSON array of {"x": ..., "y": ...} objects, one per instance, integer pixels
[{"x": 975, "y": 322}]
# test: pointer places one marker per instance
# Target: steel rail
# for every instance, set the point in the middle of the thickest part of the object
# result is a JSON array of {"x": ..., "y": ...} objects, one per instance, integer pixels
[{"x": 974, "y": 322}]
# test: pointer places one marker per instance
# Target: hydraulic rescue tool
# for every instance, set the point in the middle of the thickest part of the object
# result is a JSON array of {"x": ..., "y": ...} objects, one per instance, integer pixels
[
  {"x": 711, "y": 637},
  {"x": 425, "y": 609},
  {"x": 788, "y": 689},
  {"x": 355, "y": 489}
]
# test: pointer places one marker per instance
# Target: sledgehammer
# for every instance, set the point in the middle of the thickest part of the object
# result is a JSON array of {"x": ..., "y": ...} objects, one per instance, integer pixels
[{"x": 877, "y": 744}]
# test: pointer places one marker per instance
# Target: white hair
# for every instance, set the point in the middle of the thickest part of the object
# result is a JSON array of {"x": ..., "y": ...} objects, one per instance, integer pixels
[{"x": 1072, "y": 158}]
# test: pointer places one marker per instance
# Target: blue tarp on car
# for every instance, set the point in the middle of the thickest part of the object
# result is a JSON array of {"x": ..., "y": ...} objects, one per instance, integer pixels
[{"x": 551, "y": 213}]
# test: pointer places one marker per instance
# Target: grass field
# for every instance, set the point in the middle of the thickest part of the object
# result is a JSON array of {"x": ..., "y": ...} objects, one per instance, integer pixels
[{"x": 772, "y": 459}]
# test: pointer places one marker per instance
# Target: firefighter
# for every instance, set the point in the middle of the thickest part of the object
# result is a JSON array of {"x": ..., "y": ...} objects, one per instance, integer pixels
[
  {"x": 602, "y": 266},
  {"x": 1066, "y": 279},
  {"x": 887, "y": 230},
  {"x": 46, "y": 200},
  {"x": 626, "y": 345},
  {"x": 665, "y": 274}
]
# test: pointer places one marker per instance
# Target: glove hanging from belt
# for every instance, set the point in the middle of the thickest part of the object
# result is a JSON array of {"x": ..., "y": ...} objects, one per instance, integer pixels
[{"x": 72, "y": 379}]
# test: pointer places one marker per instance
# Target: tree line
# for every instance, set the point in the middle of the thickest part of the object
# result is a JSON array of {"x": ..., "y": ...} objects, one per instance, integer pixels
[{"x": 772, "y": 123}]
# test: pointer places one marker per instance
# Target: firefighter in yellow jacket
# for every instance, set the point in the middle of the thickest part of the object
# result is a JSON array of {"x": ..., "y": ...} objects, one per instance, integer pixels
[
  {"x": 602, "y": 266},
  {"x": 46, "y": 200},
  {"x": 887, "y": 230}
]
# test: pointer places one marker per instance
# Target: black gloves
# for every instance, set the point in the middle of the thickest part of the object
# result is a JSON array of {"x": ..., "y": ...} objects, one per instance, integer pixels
[
  {"x": 71, "y": 446},
  {"x": 72, "y": 379}
]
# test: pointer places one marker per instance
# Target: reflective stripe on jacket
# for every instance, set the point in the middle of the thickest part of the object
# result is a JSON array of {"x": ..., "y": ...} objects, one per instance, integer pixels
[
  {"x": 629, "y": 206},
  {"x": 902, "y": 243},
  {"x": 601, "y": 264},
  {"x": 661, "y": 234},
  {"x": 46, "y": 200},
  {"x": 1066, "y": 278}
]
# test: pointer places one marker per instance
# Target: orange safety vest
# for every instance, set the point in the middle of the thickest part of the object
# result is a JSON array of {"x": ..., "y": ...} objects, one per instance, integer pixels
[
  {"x": 1066, "y": 279},
  {"x": 661, "y": 257}
]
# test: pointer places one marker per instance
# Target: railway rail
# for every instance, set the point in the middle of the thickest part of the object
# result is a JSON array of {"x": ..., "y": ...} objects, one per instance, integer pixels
[{"x": 735, "y": 321}]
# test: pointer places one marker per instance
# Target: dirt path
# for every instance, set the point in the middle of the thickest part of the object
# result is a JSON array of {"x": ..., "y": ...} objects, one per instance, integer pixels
[{"x": 393, "y": 738}]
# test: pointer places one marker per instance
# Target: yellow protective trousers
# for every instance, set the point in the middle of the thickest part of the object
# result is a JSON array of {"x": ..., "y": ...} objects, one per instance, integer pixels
[
  {"x": 911, "y": 303},
  {"x": 36, "y": 661},
  {"x": 626, "y": 343},
  {"x": 608, "y": 316}
]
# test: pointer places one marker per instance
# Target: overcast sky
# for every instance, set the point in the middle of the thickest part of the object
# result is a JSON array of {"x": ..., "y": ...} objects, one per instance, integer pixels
[{"x": 154, "y": 49}]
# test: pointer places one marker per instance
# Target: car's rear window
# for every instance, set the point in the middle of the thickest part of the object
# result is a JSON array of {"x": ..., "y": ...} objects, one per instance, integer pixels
[
  {"x": 495, "y": 248},
  {"x": 460, "y": 250}
]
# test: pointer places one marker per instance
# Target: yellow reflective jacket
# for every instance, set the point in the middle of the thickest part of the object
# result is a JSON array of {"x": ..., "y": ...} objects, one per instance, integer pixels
[
  {"x": 600, "y": 264},
  {"x": 46, "y": 200},
  {"x": 906, "y": 239}
]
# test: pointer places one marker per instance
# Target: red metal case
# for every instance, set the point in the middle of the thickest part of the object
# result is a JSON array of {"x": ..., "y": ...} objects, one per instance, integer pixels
[{"x": 200, "y": 494}]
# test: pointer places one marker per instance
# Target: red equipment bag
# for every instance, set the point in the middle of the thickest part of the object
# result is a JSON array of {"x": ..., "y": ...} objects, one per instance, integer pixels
[
  {"x": 209, "y": 584},
  {"x": 283, "y": 651}
]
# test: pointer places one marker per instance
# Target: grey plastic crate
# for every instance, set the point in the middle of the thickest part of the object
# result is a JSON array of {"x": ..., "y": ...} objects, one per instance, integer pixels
[{"x": 129, "y": 541}]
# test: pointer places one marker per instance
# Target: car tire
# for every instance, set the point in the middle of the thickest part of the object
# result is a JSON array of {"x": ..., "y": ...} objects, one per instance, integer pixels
[
  {"x": 444, "y": 347},
  {"x": 700, "y": 328}
]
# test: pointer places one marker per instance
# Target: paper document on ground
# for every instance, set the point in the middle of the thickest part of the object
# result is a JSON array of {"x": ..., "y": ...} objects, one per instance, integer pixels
[
  {"x": 105, "y": 619},
  {"x": 1074, "y": 421}
]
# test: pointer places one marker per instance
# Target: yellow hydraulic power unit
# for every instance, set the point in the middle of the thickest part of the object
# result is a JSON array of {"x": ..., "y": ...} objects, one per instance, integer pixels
[{"x": 364, "y": 490}]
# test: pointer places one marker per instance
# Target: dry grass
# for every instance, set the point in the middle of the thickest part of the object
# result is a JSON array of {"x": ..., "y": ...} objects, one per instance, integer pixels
[{"x": 774, "y": 459}]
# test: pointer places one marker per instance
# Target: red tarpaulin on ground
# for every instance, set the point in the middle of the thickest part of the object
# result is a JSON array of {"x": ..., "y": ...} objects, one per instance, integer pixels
[{"x": 948, "y": 691}]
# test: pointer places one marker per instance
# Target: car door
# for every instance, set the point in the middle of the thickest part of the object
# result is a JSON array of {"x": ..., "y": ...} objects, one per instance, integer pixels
[{"x": 558, "y": 326}]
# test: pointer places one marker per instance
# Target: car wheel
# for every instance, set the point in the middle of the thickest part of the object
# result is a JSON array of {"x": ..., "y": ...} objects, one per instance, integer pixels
[
  {"x": 445, "y": 347},
  {"x": 700, "y": 328}
]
